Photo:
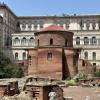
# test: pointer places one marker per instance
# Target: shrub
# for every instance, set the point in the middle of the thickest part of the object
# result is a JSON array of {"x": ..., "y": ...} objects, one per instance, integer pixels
[
  {"x": 97, "y": 74},
  {"x": 70, "y": 82},
  {"x": 7, "y": 70},
  {"x": 81, "y": 76},
  {"x": 18, "y": 72}
]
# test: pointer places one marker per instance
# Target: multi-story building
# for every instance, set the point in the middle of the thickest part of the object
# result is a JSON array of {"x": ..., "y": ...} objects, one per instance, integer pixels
[
  {"x": 9, "y": 23},
  {"x": 19, "y": 30},
  {"x": 1, "y": 31}
]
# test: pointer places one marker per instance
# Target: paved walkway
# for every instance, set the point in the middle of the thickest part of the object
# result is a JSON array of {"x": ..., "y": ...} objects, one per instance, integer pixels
[{"x": 79, "y": 93}]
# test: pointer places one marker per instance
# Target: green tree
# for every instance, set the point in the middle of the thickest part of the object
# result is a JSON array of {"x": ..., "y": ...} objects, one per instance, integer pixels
[
  {"x": 97, "y": 73},
  {"x": 18, "y": 72},
  {"x": 7, "y": 70}
]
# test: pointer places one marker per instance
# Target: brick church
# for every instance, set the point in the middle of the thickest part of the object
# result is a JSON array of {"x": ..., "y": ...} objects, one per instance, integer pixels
[{"x": 54, "y": 55}]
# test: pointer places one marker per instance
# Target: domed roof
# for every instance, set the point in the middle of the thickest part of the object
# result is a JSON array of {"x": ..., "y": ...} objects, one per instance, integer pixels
[{"x": 53, "y": 28}]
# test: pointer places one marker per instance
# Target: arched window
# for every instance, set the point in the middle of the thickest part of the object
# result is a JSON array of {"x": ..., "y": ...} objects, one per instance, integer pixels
[
  {"x": 31, "y": 41},
  {"x": 24, "y": 41},
  {"x": 75, "y": 59},
  {"x": 38, "y": 42},
  {"x": 99, "y": 41},
  {"x": 83, "y": 63},
  {"x": 81, "y": 24},
  {"x": 30, "y": 60},
  {"x": 66, "y": 42},
  {"x": 24, "y": 26},
  {"x": 86, "y": 41},
  {"x": 51, "y": 41},
  {"x": 16, "y": 41},
  {"x": 29, "y": 26},
  {"x": 87, "y": 24},
  {"x": 93, "y": 41},
  {"x": 77, "y": 40},
  {"x": 94, "y": 56},
  {"x": 18, "y": 24},
  {"x": 16, "y": 56},
  {"x": 35, "y": 25},
  {"x": 49, "y": 56},
  {"x": 86, "y": 55},
  {"x": 93, "y": 25},
  {"x": 24, "y": 55},
  {"x": 94, "y": 64},
  {"x": 41, "y": 24}
]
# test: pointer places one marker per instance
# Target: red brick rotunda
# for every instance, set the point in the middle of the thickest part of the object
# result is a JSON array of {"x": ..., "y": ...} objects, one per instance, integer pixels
[{"x": 54, "y": 54}]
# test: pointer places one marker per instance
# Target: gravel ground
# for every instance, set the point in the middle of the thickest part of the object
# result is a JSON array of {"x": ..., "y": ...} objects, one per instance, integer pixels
[{"x": 80, "y": 93}]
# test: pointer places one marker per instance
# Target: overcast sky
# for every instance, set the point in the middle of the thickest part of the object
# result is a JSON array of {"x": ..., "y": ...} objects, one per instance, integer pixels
[{"x": 53, "y": 7}]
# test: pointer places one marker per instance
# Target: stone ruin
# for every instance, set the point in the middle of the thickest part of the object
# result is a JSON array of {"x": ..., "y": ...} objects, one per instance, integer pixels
[
  {"x": 30, "y": 88},
  {"x": 40, "y": 89}
]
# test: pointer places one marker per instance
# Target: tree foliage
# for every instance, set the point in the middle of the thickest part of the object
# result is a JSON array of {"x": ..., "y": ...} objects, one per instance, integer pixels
[
  {"x": 97, "y": 74},
  {"x": 18, "y": 72},
  {"x": 7, "y": 70}
]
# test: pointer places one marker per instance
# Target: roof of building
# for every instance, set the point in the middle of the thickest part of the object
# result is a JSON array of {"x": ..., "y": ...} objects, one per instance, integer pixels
[
  {"x": 53, "y": 28},
  {"x": 58, "y": 16},
  {"x": 4, "y": 6}
]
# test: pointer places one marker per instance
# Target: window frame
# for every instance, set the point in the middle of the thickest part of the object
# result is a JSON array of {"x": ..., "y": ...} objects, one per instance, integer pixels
[
  {"x": 86, "y": 55},
  {"x": 77, "y": 40},
  {"x": 49, "y": 56},
  {"x": 86, "y": 40},
  {"x": 94, "y": 55},
  {"x": 16, "y": 55},
  {"x": 51, "y": 41}
]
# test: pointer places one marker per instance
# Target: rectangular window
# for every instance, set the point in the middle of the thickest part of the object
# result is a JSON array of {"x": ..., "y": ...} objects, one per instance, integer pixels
[
  {"x": 30, "y": 60},
  {"x": 83, "y": 63},
  {"x": 49, "y": 56}
]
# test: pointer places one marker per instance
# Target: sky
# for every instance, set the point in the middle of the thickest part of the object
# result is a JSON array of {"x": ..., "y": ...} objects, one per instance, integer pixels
[{"x": 53, "y": 7}]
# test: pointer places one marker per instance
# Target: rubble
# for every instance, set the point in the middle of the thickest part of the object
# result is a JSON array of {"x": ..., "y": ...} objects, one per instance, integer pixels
[{"x": 30, "y": 88}]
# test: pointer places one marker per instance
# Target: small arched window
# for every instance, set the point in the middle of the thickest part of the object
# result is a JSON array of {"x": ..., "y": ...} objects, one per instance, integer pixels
[
  {"x": 83, "y": 63},
  {"x": 86, "y": 55},
  {"x": 24, "y": 41},
  {"x": 38, "y": 42},
  {"x": 77, "y": 40},
  {"x": 51, "y": 41},
  {"x": 29, "y": 26},
  {"x": 18, "y": 24},
  {"x": 94, "y": 56},
  {"x": 93, "y": 41},
  {"x": 41, "y": 24},
  {"x": 24, "y": 26},
  {"x": 16, "y": 56},
  {"x": 16, "y": 41},
  {"x": 49, "y": 56},
  {"x": 35, "y": 25},
  {"x": 86, "y": 41},
  {"x": 24, "y": 55},
  {"x": 81, "y": 24},
  {"x": 31, "y": 41},
  {"x": 93, "y": 25},
  {"x": 87, "y": 24},
  {"x": 30, "y": 60},
  {"x": 99, "y": 41}
]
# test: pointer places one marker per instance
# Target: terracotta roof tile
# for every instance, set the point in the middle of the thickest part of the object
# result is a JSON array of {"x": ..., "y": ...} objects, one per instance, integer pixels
[{"x": 53, "y": 28}]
